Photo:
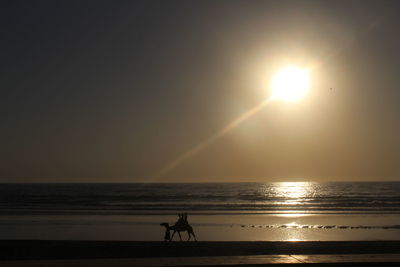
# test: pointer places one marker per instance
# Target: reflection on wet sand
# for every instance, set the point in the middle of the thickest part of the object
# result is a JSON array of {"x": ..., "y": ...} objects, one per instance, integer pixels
[{"x": 208, "y": 227}]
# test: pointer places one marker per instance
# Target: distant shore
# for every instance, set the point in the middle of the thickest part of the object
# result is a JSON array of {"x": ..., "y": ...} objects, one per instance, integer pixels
[{"x": 60, "y": 249}]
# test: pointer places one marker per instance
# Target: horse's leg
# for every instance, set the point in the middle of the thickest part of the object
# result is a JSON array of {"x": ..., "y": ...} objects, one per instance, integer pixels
[
  {"x": 190, "y": 233},
  {"x": 180, "y": 237},
  {"x": 194, "y": 236},
  {"x": 172, "y": 236}
]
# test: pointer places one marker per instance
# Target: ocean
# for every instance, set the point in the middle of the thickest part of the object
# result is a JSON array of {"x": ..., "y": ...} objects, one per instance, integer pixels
[{"x": 218, "y": 211}]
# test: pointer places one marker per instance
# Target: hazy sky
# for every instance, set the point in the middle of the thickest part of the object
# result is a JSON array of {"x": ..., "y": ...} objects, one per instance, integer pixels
[{"x": 113, "y": 91}]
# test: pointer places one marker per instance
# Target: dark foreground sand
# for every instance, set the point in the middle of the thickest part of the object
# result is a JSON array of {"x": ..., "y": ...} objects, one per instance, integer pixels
[
  {"x": 226, "y": 261},
  {"x": 46, "y": 250}
]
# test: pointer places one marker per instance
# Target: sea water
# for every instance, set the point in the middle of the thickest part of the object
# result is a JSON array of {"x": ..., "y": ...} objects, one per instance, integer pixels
[{"x": 217, "y": 211}]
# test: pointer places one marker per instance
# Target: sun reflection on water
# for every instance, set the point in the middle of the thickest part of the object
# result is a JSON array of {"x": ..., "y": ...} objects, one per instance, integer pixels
[
  {"x": 293, "y": 214},
  {"x": 294, "y": 240},
  {"x": 293, "y": 196},
  {"x": 293, "y": 189},
  {"x": 293, "y": 193}
]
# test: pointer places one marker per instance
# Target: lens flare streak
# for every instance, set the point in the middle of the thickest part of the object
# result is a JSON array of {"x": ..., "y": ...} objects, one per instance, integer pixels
[{"x": 172, "y": 165}]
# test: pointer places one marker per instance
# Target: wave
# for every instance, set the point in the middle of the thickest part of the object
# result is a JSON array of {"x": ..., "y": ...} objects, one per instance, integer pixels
[{"x": 234, "y": 198}]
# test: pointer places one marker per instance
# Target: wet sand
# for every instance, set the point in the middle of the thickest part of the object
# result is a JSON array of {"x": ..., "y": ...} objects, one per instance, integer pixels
[
  {"x": 60, "y": 250},
  {"x": 249, "y": 227}
]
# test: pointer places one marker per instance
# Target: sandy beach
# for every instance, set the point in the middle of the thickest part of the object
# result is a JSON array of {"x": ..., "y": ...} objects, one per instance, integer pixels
[
  {"x": 242, "y": 261},
  {"x": 57, "y": 250}
]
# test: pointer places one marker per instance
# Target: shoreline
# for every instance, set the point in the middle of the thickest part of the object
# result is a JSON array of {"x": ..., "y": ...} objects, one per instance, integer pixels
[
  {"x": 76, "y": 249},
  {"x": 207, "y": 228}
]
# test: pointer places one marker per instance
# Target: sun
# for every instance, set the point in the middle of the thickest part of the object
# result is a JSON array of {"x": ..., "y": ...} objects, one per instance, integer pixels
[{"x": 290, "y": 83}]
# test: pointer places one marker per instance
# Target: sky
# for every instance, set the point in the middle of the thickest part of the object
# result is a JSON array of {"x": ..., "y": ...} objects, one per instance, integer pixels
[{"x": 116, "y": 91}]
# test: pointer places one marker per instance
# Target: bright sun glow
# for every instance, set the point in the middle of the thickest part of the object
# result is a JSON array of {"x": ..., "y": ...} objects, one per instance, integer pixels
[{"x": 290, "y": 83}]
